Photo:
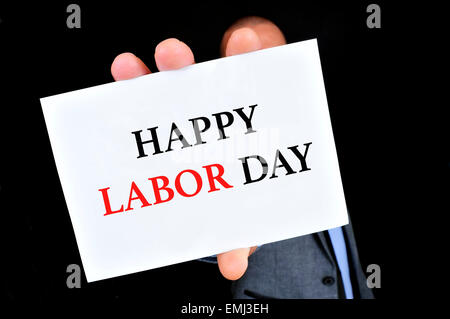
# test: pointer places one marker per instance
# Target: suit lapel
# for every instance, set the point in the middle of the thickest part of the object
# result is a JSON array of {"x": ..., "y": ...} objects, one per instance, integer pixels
[{"x": 322, "y": 242}]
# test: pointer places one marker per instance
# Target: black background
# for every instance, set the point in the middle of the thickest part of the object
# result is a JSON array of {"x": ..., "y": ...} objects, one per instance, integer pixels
[{"x": 40, "y": 56}]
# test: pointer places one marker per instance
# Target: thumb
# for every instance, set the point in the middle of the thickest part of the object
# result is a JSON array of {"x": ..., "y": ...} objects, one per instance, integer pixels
[
  {"x": 242, "y": 40},
  {"x": 250, "y": 34}
]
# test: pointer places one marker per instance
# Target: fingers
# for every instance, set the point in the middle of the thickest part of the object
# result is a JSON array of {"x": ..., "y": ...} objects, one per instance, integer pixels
[
  {"x": 173, "y": 54},
  {"x": 247, "y": 34},
  {"x": 250, "y": 34},
  {"x": 170, "y": 54},
  {"x": 233, "y": 264},
  {"x": 127, "y": 66}
]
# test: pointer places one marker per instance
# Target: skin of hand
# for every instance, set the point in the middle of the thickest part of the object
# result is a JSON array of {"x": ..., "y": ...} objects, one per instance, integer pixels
[{"x": 245, "y": 35}]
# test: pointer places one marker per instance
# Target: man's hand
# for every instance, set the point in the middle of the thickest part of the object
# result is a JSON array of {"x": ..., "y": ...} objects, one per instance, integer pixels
[{"x": 245, "y": 35}]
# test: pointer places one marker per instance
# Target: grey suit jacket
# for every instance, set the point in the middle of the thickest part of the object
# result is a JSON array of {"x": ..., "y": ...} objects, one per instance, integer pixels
[{"x": 302, "y": 267}]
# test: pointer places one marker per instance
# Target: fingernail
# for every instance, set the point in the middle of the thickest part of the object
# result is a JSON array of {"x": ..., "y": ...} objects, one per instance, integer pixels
[{"x": 243, "y": 40}]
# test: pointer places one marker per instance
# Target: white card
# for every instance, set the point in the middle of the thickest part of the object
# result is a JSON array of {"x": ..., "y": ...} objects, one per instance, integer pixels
[{"x": 122, "y": 229}]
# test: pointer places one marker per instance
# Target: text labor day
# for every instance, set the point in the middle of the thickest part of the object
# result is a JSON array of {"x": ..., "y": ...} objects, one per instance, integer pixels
[{"x": 164, "y": 190}]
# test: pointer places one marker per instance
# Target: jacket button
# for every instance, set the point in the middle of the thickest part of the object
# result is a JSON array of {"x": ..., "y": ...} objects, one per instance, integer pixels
[{"x": 328, "y": 281}]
